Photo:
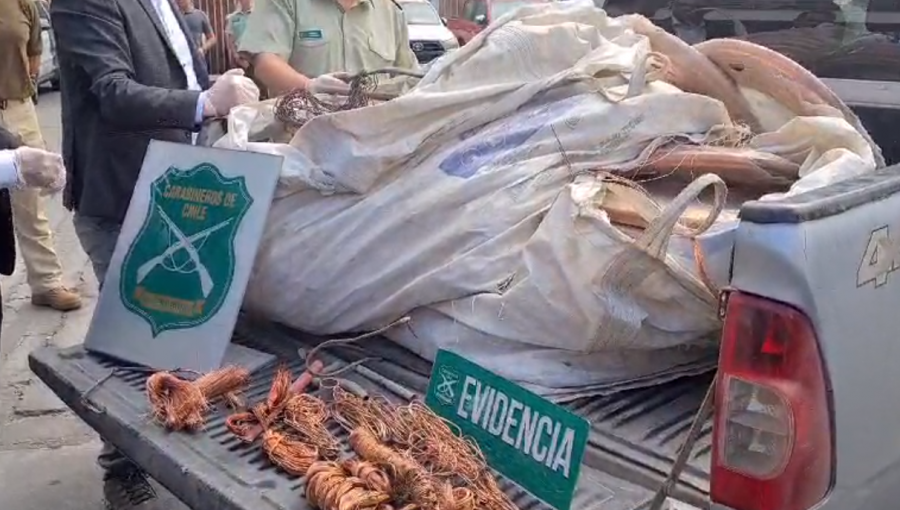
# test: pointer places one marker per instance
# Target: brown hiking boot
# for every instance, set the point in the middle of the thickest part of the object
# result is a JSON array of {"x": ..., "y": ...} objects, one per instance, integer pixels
[{"x": 60, "y": 298}]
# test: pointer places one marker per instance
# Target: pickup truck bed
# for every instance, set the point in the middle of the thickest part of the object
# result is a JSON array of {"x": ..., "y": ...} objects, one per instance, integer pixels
[{"x": 635, "y": 436}]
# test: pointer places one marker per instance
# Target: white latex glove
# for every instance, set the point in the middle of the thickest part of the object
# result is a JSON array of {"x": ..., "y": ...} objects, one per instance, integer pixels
[
  {"x": 329, "y": 84},
  {"x": 38, "y": 168},
  {"x": 230, "y": 90}
]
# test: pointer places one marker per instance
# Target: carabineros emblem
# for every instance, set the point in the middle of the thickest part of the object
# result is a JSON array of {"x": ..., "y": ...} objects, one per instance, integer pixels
[{"x": 179, "y": 268}]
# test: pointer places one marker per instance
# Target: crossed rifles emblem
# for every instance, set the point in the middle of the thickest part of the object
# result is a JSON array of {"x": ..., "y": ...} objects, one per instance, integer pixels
[
  {"x": 446, "y": 389},
  {"x": 186, "y": 243}
]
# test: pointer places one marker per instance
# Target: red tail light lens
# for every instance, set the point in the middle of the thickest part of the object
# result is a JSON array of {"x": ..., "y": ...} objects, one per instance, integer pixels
[{"x": 772, "y": 447}]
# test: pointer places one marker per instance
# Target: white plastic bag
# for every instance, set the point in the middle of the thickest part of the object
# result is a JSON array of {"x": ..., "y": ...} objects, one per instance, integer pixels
[{"x": 474, "y": 204}]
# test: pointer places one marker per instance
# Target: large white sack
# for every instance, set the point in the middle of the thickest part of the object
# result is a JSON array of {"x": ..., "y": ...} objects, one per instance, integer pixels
[{"x": 471, "y": 204}]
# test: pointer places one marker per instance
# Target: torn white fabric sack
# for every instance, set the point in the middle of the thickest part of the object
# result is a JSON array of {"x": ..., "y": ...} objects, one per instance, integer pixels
[{"x": 473, "y": 204}]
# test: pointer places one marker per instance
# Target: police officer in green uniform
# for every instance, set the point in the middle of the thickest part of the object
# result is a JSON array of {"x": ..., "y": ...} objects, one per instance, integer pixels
[{"x": 307, "y": 43}]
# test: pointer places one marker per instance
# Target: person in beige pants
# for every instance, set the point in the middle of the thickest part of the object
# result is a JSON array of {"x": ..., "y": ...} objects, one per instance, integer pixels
[{"x": 20, "y": 52}]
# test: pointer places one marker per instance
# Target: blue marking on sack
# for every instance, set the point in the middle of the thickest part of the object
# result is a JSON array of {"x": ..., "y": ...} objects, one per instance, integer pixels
[{"x": 503, "y": 138}]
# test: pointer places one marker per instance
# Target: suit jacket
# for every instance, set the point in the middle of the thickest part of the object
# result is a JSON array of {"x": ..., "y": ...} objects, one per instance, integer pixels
[
  {"x": 121, "y": 86},
  {"x": 7, "y": 239}
]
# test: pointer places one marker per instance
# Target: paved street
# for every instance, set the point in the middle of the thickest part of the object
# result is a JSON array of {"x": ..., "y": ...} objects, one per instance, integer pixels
[{"x": 46, "y": 453}]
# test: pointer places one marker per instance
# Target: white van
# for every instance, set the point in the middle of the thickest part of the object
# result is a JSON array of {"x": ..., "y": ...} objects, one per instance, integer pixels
[{"x": 429, "y": 36}]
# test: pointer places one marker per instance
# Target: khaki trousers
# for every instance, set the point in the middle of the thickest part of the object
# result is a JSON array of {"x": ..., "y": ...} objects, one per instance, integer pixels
[{"x": 29, "y": 205}]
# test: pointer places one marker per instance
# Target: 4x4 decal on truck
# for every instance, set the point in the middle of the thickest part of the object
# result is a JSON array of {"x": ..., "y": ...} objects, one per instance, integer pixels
[
  {"x": 180, "y": 266},
  {"x": 879, "y": 260}
]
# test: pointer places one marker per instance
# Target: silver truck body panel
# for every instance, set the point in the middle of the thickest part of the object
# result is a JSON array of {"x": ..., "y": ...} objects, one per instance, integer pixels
[{"x": 812, "y": 261}]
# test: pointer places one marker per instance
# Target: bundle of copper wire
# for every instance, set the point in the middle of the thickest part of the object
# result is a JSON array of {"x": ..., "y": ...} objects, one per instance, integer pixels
[
  {"x": 372, "y": 475},
  {"x": 330, "y": 487},
  {"x": 356, "y": 484},
  {"x": 374, "y": 414},
  {"x": 180, "y": 404},
  {"x": 277, "y": 397},
  {"x": 412, "y": 483},
  {"x": 241, "y": 425},
  {"x": 738, "y": 166},
  {"x": 420, "y": 452},
  {"x": 489, "y": 496},
  {"x": 435, "y": 444},
  {"x": 307, "y": 415},
  {"x": 461, "y": 498},
  {"x": 288, "y": 452},
  {"x": 248, "y": 425},
  {"x": 223, "y": 381}
]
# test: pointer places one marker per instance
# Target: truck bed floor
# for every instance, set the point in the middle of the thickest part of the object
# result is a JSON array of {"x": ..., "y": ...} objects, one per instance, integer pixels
[{"x": 631, "y": 448}]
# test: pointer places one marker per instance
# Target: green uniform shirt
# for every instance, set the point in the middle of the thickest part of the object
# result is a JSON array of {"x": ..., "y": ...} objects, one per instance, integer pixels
[
  {"x": 237, "y": 23},
  {"x": 317, "y": 37}
]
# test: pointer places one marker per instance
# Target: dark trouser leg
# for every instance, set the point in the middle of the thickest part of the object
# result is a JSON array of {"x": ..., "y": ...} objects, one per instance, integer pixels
[
  {"x": 111, "y": 460},
  {"x": 98, "y": 239}
]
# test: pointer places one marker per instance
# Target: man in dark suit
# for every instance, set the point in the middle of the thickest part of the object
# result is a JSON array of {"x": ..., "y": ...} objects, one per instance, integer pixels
[{"x": 129, "y": 73}]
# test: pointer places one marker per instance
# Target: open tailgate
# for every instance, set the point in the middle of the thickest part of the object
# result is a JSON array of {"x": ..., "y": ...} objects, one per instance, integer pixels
[{"x": 635, "y": 435}]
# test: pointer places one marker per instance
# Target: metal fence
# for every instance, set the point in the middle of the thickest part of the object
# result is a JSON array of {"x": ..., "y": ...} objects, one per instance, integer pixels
[{"x": 217, "y": 10}]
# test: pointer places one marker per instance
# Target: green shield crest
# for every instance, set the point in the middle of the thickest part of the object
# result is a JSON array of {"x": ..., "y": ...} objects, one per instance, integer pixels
[{"x": 179, "y": 268}]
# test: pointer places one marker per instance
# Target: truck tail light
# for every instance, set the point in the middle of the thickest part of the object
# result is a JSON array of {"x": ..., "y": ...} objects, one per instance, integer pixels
[{"x": 772, "y": 434}]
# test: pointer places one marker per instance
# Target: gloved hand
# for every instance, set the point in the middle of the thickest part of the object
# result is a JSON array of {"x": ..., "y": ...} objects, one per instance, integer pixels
[
  {"x": 329, "y": 83},
  {"x": 40, "y": 169},
  {"x": 230, "y": 90}
]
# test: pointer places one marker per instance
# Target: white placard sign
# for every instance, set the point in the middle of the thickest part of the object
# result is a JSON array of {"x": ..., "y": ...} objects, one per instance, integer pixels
[{"x": 181, "y": 265}]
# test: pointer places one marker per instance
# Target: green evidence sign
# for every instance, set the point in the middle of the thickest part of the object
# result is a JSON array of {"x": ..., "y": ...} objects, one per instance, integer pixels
[{"x": 533, "y": 442}]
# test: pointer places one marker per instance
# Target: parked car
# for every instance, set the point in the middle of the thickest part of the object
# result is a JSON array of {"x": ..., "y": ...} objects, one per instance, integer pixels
[
  {"x": 477, "y": 14},
  {"x": 429, "y": 36},
  {"x": 49, "y": 73}
]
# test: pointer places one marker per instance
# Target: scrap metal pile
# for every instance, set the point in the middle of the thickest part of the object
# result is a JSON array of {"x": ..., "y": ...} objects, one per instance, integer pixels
[
  {"x": 404, "y": 456},
  {"x": 762, "y": 90},
  {"x": 532, "y": 202}
]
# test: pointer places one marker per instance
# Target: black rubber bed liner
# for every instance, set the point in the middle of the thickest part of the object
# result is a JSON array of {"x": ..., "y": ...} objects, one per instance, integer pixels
[{"x": 634, "y": 440}]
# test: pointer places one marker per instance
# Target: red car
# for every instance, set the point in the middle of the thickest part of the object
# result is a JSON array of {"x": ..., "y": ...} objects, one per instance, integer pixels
[{"x": 477, "y": 14}]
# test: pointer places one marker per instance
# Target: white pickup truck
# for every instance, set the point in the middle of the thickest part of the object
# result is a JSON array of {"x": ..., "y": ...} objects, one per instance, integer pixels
[{"x": 802, "y": 415}]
